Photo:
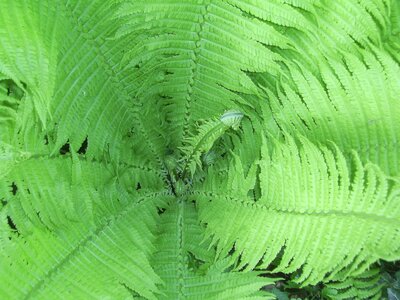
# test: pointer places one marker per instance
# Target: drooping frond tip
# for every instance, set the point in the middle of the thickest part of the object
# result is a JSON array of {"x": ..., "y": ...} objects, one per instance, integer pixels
[{"x": 232, "y": 118}]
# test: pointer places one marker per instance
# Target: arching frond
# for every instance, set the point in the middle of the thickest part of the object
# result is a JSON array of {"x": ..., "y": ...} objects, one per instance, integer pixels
[
  {"x": 61, "y": 215},
  {"x": 185, "y": 263},
  {"x": 58, "y": 230},
  {"x": 191, "y": 59},
  {"x": 208, "y": 132},
  {"x": 340, "y": 216},
  {"x": 392, "y": 43},
  {"x": 32, "y": 69},
  {"x": 354, "y": 103},
  {"x": 119, "y": 174},
  {"x": 71, "y": 77},
  {"x": 78, "y": 261},
  {"x": 363, "y": 286}
]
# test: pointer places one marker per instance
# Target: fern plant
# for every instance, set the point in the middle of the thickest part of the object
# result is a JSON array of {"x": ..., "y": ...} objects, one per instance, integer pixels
[{"x": 170, "y": 149}]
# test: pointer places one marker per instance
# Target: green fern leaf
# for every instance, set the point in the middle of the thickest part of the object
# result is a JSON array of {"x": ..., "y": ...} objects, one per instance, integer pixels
[
  {"x": 119, "y": 174},
  {"x": 364, "y": 286},
  {"x": 208, "y": 133},
  {"x": 187, "y": 267},
  {"x": 311, "y": 199}
]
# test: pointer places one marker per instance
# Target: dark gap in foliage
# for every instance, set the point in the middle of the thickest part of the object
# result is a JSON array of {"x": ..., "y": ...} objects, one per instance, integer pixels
[
  {"x": 352, "y": 168},
  {"x": 251, "y": 193},
  {"x": 65, "y": 149},
  {"x": 28, "y": 191},
  {"x": 194, "y": 263},
  {"x": 256, "y": 191},
  {"x": 171, "y": 184},
  {"x": 163, "y": 96},
  {"x": 304, "y": 123},
  {"x": 14, "y": 188},
  {"x": 83, "y": 148},
  {"x": 187, "y": 181},
  {"x": 130, "y": 133},
  {"x": 169, "y": 55},
  {"x": 166, "y": 72},
  {"x": 133, "y": 293},
  {"x": 239, "y": 261},
  {"x": 390, "y": 278},
  {"x": 12, "y": 89},
  {"x": 8, "y": 90},
  {"x": 273, "y": 288},
  {"x": 3, "y": 202},
  {"x": 277, "y": 259},
  {"x": 12, "y": 225},
  {"x": 138, "y": 186},
  {"x": 169, "y": 151},
  {"x": 285, "y": 288},
  {"x": 160, "y": 210},
  {"x": 46, "y": 140}
]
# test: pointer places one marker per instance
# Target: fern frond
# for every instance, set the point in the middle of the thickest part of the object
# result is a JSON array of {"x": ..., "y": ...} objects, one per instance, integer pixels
[
  {"x": 340, "y": 216},
  {"x": 191, "y": 59},
  {"x": 10, "y": 97},
  {"x": 63, "y": 214},
  {"x": 207, "y": 133},
  {"x": 71, "y": 75},
  {"x": 329, "y": 108},
  {"x": 51, "y": 191},
  {"x": 81, "y": 261},
  {"x": 118, "y": 181},
  {"x": 66, "y": 218},
  {"x": 364, "y": 286},
  {"x": 33, "y": 68},
  {"x": 392, "y": 43},
  {"x": 90, "y": 79},
  {"x": 186, "y": 263},
  {"x": 337, "y": 28}
]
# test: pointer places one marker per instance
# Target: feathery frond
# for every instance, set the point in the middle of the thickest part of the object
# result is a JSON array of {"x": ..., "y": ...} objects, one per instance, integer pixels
[
  {"x": 186, "y": 265},
  {"x": 120, "y": 176},
  {"x": 363, "y": 286},
  {"x": 340, "y": 216}
]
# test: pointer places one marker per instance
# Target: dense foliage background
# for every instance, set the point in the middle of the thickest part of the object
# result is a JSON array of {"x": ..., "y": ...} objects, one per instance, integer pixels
[{"x": 199, "y": 149}]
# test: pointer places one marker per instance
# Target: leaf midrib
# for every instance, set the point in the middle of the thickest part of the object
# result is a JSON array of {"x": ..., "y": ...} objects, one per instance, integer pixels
[
  {"x": 393, "y": 221},
  {"x": 112, "y": 219},
  {"x": 77, "y": 24}
]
